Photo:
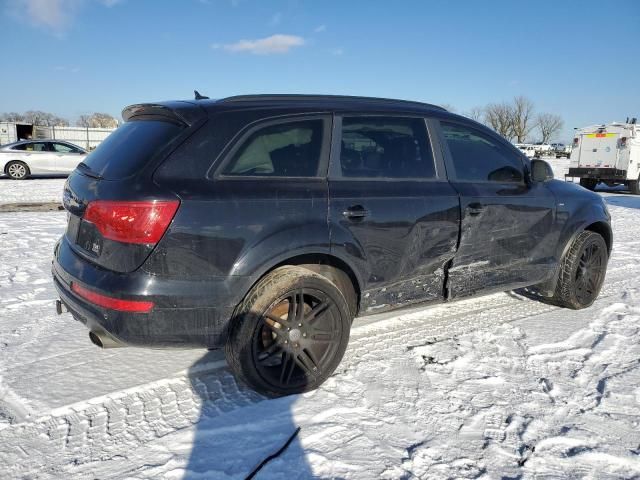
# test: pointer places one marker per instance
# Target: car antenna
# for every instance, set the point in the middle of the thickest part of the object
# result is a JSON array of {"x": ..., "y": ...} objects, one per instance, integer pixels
[{"x": 198, "y": 96}]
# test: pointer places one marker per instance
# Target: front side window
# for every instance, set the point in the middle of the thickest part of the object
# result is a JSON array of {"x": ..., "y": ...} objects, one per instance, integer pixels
[
  {"x": 387, "y": 147},
  {"x": 62, "y": 148},
  {"x": 477, "y": 157},
  {"x": 289, "y": 149}
]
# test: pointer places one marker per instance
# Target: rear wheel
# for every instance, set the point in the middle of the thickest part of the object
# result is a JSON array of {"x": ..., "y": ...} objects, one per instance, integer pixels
[
  {"x": 290, "y": 332},
  {"x": 589, "y": 183},
  {"x": 17, "y": 170},
  {"x": 634, "y": 187},
  {"x": 582, "y": 271}
]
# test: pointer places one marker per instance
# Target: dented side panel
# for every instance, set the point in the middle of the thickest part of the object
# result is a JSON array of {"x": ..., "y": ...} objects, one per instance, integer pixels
[
  {"x": 402, "y": 246},
  {"x": 508, "y": 237}
]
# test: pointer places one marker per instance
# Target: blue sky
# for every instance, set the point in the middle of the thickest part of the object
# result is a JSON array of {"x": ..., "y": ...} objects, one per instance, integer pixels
[{"x": 578, "y": 59}]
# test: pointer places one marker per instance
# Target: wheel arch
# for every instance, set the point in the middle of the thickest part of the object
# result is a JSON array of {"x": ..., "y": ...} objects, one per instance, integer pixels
[
  {"x": 335, "y": 269},
  {"x": 604, "y": 230}
]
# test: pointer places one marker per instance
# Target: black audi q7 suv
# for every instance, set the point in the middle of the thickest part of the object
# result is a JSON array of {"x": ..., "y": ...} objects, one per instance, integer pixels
[{"x": 264, "y": 224}]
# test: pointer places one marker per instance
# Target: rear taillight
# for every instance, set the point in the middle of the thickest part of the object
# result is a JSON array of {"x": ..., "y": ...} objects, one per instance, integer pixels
[
  {"x": 131, "y": 222},
  {"x": 623, "y": 142},
  {"x": 133, "y": 306},
  {"x": 575, "y": 141}
]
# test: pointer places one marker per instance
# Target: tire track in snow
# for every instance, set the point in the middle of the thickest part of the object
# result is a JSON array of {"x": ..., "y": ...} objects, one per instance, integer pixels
[{"x": 103, "y": 427}]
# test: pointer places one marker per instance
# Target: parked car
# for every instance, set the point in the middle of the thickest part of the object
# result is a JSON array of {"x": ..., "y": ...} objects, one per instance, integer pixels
[
  {"x": 528, "y": 150},
  {"x": 21, "y": 159},
  {"x": 265, "y": 224},
  {"x": 561, "y": 150}
]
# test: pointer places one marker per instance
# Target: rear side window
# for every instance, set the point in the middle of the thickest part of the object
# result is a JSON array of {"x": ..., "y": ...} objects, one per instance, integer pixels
[
  {"x": 130, "y": 147},
  {"x": 477, "y": 157},
  {"x": 32, "y": 147},
  {"x": 289, "y": 149},
  {"x": 388, "y": 147}
]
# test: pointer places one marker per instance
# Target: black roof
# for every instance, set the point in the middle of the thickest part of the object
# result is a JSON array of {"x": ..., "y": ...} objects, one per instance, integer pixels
[
  {"x": 331, "y": 101},
  {"x": 189, "y": 111}
]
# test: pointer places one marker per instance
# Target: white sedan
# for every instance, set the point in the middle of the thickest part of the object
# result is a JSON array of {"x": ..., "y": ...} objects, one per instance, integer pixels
[{"x": 31, "y": 157}]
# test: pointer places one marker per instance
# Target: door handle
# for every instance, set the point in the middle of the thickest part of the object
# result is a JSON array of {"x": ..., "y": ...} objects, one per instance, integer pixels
[
  {"x": 475, "y": 208},
  {"x": 355, "y": 212}
]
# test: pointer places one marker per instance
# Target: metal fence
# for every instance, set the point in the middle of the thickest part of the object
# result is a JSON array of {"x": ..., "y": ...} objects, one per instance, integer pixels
[{"x": 87, "y": 138}]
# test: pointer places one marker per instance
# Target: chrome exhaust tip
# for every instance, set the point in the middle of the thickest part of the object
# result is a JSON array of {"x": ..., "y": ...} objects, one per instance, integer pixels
[{"x": 103, "y": 340}]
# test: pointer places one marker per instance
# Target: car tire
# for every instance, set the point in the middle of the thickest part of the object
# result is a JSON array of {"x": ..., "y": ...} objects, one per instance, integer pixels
[
  {"x": 589, "y": 183},
  {"x": 277, "y": 356},
  {"x": 17, "y": 170},
  {"x": 634, "y": 187},
  {"x": 582, "y": 272}
]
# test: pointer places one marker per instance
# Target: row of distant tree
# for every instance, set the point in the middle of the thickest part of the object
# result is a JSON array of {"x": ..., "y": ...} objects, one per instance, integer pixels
[
  {"x": 517, "y": 120},
  {"x": 514, "y": 120},
  {"x": 46, "y": 119}
]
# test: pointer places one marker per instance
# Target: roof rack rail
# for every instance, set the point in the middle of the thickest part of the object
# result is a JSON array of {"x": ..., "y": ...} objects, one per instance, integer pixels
[{"x": 278, "y": 97}]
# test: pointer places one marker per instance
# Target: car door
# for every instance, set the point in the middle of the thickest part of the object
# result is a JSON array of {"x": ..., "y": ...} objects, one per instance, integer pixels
[
  {"x": 507, "y": 238},
  {"x": 39, "y": 157},
  {"x": 67, "y": 156},
  {"x": 392, "y": 212}
]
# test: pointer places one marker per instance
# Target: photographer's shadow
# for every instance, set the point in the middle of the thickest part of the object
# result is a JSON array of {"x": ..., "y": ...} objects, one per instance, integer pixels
[{"x": 240, "y": 433}]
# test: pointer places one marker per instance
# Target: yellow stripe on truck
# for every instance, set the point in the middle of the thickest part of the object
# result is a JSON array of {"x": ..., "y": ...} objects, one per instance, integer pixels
[{"x": 601, "y": 135}]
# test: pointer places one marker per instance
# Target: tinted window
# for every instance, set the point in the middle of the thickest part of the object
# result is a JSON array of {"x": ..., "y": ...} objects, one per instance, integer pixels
[
  {"x": 64, "y": 148},
  {"x": 477, "y": 157},
  {"x": 385, "y": 147},
  {"x": 35, "y": 147},
  {"x": 282, "y": 150},
  {"x": 130, "y": 147}
]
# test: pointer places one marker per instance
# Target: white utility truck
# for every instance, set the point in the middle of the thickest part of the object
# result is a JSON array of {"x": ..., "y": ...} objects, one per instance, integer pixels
[{"x": 607, "y": 153}]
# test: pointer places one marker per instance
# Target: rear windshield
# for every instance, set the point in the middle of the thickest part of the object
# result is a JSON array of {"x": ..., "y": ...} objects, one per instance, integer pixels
[{"x": 130, "y": 147}]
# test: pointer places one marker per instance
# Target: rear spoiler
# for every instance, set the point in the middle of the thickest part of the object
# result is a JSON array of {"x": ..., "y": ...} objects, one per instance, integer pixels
[{"x": 183, "y": 113}]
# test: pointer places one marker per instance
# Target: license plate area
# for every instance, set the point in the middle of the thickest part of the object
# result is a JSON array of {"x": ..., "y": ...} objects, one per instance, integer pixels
[{"x": 89, "y": 238}]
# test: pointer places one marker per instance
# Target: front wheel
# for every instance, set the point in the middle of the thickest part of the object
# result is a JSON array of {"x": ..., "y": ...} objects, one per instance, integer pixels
[
  {"x": 582, "y": 272},
  {"x": 17, "y": 170},
  {"x": 290, "y": 332}
]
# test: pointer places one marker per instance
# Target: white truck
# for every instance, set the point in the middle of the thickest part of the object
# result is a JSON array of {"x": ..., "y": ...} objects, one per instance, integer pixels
[{"x": 607, "y": 153}]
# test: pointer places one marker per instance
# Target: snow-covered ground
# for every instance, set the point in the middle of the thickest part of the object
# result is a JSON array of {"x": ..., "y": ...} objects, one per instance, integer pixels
[
  {"x": 496, "y": 387},
  {"x": 31, "y": 190}
]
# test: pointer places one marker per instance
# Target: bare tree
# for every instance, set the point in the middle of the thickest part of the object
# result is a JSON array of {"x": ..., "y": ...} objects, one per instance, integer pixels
[
  {"x": 37, "y": 117},
  {"x": 12, "y": 117},
  {"x": 476, "y": 113},
  {"x": 522, "y": 118},
  {"x": 84, "y": 121},
  {"x": 499, "y": 116},
  {"x": 549, "y": 125},
  {"x": 103, "y": 120}
]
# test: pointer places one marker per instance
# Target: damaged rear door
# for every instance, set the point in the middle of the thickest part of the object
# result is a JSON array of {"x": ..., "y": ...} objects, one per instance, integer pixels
[
  {"x": 392, "y": 212},
  {"x": 507, "y": 235}
]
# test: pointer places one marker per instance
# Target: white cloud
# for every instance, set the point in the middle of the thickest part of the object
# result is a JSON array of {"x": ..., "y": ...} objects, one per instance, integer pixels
[
  {"x": 264, "y": 46},
  {"x": 336, "y": 51},
  {"x": 320, "y": 28},
  {"x": 54, "y": 15}
]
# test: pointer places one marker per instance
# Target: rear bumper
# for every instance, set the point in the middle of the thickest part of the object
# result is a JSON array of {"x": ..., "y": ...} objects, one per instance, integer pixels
[
  {"x": 598, "y": 173},
  {"x": 187, "y": 313}
]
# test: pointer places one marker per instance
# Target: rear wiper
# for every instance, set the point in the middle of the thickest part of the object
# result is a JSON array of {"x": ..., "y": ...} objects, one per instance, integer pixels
[{"x": 88, "y": 172}]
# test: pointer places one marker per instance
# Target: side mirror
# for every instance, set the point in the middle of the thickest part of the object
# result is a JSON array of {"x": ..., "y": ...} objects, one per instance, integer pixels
[{"x": 540, "y": 171}]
